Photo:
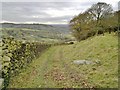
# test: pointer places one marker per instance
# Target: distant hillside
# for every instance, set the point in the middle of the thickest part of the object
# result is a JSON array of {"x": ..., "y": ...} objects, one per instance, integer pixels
[
  {"x": 56, "y": 28},
  {"x": 37, "y": 32}
]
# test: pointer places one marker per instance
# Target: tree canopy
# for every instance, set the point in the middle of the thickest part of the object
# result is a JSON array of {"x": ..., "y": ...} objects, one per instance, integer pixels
[{"x": 95, "y": 20}]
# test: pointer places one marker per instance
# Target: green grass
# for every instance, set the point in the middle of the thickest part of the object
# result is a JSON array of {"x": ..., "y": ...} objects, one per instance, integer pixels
[{"x": 55, "y": 67}]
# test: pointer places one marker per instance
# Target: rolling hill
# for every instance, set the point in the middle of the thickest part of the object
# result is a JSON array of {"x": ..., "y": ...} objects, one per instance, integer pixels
[{"x": 37, "y": 32}]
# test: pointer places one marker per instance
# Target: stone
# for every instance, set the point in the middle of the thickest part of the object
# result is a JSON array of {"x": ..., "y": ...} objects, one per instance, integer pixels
[
  {"x": 0, "y": 66},
  {"x": 1, "y": 83},
  {"x": 81, "y": 62}
]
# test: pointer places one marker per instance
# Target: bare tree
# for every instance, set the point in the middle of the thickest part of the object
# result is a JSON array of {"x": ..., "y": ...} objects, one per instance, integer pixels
[{"x": 100, "y": 10}]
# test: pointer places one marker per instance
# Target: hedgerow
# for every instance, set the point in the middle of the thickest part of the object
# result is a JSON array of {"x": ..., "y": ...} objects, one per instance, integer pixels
[{"x": 17, "y": 55}]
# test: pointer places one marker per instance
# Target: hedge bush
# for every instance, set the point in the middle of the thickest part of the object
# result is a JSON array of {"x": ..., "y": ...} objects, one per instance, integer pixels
[{"x": 17, "y": 55}]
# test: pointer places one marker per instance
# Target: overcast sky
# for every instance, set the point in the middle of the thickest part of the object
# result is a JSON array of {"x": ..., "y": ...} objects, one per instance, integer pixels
[{"x": 46, "y": 12}]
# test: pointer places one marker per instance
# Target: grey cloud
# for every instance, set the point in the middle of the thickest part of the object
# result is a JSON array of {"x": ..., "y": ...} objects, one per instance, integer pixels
[{"x": 23, "y": 11}]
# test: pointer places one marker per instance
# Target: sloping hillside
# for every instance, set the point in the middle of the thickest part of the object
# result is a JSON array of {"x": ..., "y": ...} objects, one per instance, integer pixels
[
  {"x": 64, "y": 29},
  {"x": 56, "y": 67},
  {"x": 37, "y": 32}
]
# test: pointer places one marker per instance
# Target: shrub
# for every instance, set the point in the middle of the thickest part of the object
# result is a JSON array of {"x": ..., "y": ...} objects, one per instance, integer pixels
[{"x": 17, "y": 55}]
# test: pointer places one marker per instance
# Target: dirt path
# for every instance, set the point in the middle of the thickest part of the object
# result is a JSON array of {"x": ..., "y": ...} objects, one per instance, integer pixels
[{"x": 50, "y": 70}]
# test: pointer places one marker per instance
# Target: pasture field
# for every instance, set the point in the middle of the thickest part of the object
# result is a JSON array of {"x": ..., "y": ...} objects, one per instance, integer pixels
[{"x": 55, "y": 67}]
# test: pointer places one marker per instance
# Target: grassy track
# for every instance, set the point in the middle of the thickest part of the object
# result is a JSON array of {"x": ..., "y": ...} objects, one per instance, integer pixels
[{"x": 55, "y": 67}]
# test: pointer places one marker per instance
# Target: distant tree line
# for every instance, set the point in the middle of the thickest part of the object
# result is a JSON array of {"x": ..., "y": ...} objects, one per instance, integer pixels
[{"x": 97, "y": 19}]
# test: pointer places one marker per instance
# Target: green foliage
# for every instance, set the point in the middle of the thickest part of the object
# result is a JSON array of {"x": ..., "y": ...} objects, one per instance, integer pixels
[
  {"x": 98, "y": 19},
  {"x": 17, "y": 55}
]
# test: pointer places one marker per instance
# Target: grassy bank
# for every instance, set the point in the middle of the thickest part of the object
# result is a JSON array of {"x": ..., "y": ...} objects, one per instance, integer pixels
[{"x": 55, "y": 67}]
